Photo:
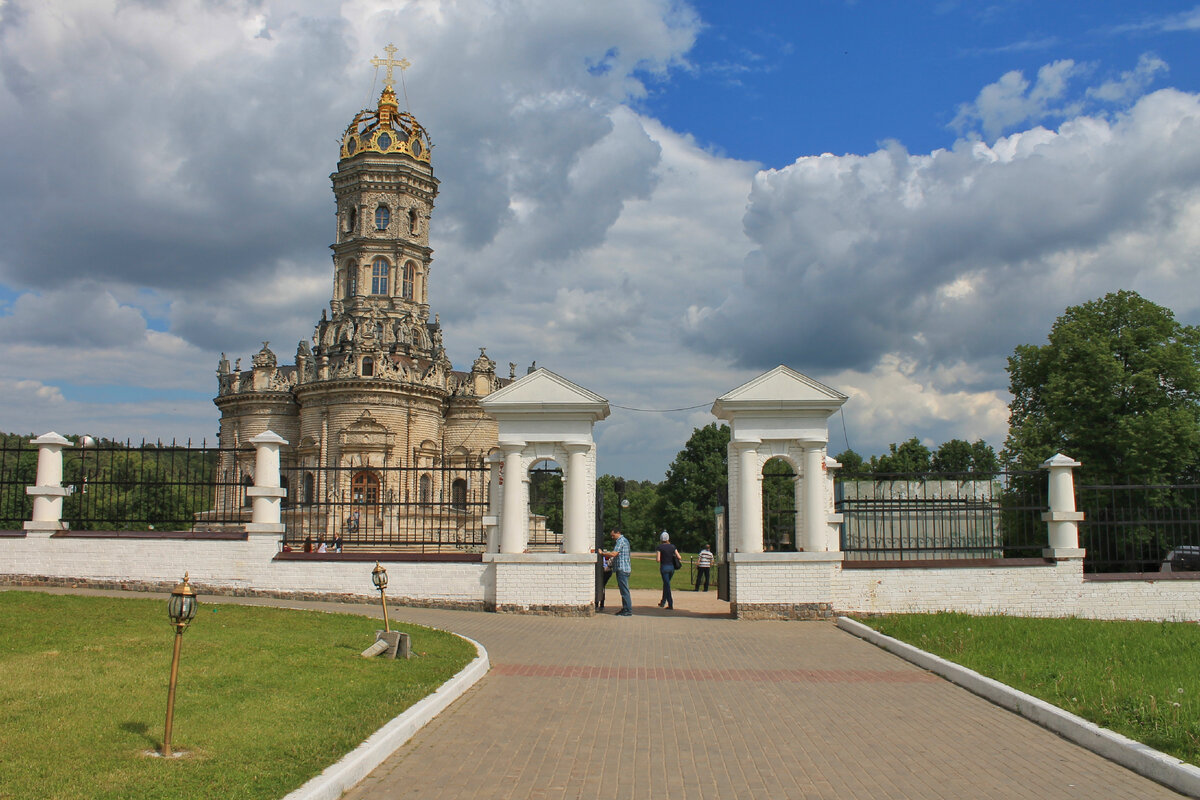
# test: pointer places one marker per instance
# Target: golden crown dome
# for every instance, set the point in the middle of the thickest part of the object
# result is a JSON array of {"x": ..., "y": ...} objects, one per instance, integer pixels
[{"x": 386, "y": 129}]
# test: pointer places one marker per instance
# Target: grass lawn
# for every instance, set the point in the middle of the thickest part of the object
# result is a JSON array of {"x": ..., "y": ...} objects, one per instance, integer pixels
[
  {"x": 267, "y": 697},
  {"x": 645, "y": 573},
  {"x": 1137, "y": 678}
]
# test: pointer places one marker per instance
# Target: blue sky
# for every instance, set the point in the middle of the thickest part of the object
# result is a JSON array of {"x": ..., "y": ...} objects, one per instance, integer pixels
[
  {"x": 635, "y": 194},
  {"x": 775, "y": 80}
]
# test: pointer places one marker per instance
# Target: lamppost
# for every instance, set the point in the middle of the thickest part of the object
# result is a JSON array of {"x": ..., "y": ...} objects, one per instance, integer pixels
[
  {"x": 380, "y": 579},
  {"x": 181, "y": 607}
]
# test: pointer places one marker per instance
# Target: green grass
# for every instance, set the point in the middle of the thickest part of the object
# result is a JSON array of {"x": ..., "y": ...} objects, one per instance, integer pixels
[
  {"x": 645, "y": 573},
  {"x": 1136, "y": 678},
  {"x": 267, "y": 697}
]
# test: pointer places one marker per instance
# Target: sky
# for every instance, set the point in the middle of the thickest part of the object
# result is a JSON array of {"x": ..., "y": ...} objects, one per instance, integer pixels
[{"x": 656, "y": 200}]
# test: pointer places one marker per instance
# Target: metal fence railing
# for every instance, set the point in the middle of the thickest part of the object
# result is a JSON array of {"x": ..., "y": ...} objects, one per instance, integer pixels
[
  {"x": 410, "y": 509},
  {"x": 122, "y": 486},
  {"x": 942, "y": 516},
  {"x": 1140, "y": 528},
  {"x": 18, "y": 469}
]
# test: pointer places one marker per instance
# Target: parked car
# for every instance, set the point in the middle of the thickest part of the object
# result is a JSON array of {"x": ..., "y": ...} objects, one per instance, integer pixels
[{"x": 1185, "y": 558}]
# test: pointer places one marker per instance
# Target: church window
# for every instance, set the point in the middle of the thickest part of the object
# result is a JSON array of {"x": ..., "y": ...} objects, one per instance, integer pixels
[
  {"x": 383, "y": 216},
  {"x": 406, "y": 286},
  {"x": 364, "y": 488},
  {"x": 458, "y": 494},
  {"x": 413, "y": 225},
  {"x": 368, "y": 366},
  {"x": 379, "y": 276},
  {"x": 425, "y": 489},
  {"x": 247, "y": 482},
  {"x": 309, "y": 489}
]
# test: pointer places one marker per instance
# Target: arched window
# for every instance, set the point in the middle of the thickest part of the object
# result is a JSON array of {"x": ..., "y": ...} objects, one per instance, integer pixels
[
  {"x": 247, "y": 482},
  {"x": 352, "y": 220},
  {"x": 368, "y": 366},
  {"x": 458, "y": 493},
  {"x": 309, "y": 489},
  {"x": 379, "y": 276},
  {"x": 425, "y": 489},
  {"x": 383, "y": 215},
  {"x": 406, "y": 286},
  {"x": 413, "y": 224},
  {"x": 364, "y": 488}
]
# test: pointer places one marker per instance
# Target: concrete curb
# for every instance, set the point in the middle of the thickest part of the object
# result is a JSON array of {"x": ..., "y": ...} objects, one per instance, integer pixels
[
  {"x": 360, "y": 761},
  {"x": 1145, "y": 761}
]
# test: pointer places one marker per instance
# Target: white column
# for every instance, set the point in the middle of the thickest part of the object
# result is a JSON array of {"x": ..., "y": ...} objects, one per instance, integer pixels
[
  {"x": 495, "y": 501},
  {"x": 49, "y": 492},
  {"x": 814, "y": 497},
  {"x": 266, "y": 491},
  {"x": 514, "y": 522},
  {"x": 750, "y": 534},
  {"x": 576, "y": 528},
  {"x": 833, "y": 520},
  {"x": 1062, "y": 519}
]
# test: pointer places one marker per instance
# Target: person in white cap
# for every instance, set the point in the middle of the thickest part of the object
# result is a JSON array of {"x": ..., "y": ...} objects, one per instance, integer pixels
[{"x": 668, "y": 562}]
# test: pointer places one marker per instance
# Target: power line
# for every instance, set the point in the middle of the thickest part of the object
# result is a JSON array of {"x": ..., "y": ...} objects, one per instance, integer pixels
[{"x": 660, "y": 410}]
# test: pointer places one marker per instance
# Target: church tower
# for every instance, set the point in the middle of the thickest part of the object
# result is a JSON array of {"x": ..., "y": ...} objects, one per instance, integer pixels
[
  {"x": 374, "y": 397},
  {"x": 385, "y": 190}
]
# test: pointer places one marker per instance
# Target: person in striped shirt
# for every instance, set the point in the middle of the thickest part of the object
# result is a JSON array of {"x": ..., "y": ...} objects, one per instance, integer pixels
[{"x": 704, "y": 563}]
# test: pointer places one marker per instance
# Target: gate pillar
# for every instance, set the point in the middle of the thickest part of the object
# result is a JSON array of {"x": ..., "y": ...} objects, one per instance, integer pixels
[
  {"x": 540, "y": 416},
  {"x": 781, "y": 413}
]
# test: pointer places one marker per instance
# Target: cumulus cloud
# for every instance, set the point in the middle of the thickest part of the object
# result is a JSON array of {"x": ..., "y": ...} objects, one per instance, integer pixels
[
  {"x": 1013, "y": 100},
  {"x": 957, "y": 256},
  {"x": 169, "y": 164}
]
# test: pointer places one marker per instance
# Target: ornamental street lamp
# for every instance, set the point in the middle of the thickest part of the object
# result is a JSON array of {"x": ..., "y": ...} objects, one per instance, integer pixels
[
  {"x": 380, "y": 579},
  {"x": 181, "y": 607}
]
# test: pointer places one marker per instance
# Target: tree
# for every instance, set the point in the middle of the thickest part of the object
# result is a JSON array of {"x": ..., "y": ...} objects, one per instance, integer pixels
[
  {"x": 958, "y": 455},
  {"x": 1116, "y": 387},
  {"x": 910, "y": 456},
  {"x": 853, "y": 465},
  {"x": 688, "y": 497}
]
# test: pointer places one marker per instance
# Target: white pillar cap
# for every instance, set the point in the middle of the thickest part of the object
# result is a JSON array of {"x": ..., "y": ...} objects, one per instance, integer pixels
[{"x": 1059, "y": 460}]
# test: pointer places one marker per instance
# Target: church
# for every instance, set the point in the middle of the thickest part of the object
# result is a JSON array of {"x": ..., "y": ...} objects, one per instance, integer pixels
[{"x": 372, "y": 410}]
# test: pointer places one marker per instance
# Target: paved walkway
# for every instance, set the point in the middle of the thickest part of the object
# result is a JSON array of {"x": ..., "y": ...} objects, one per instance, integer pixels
[
  {"x": 692, "y": 704},
  {"x": 684, "y": 705}
]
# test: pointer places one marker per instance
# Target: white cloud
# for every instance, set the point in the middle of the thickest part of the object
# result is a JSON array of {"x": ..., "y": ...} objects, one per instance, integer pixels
[
  {"x": 569, "y": 228},
  {"x": 1013, "y": 101}
]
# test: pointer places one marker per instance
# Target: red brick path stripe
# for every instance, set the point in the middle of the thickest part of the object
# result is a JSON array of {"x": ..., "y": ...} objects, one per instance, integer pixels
[{"x": 750, "y": 675}]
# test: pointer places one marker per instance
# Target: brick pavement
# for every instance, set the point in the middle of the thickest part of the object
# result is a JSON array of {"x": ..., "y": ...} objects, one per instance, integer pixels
[
  {"x": 688, "y": 705},
  {"x": 692, "y": 704}
]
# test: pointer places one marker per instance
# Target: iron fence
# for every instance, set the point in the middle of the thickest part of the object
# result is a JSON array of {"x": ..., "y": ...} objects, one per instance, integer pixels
[
  {"x": 151, "y": 486},
  {"x": 122, "y": 486},
  {"x": 1140, "y": 528},
  {"x": 18, "y": 470},
  {"x": 402, "y": 508},
  {"x": 942, "y": 516}
]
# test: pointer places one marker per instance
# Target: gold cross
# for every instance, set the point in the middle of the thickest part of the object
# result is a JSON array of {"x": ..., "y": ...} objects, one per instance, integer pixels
[{"x": 389, "y": 62}]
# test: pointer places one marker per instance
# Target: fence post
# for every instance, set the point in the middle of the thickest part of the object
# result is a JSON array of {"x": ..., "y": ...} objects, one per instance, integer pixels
[
  {"x": 266, "y": 491},
  {"x": 49, "y": 492},
  {"x": 1062, "y": 519}
]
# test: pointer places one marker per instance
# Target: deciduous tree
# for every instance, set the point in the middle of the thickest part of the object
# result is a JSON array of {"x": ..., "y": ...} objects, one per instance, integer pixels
[{"x": 1117, "y": 386}]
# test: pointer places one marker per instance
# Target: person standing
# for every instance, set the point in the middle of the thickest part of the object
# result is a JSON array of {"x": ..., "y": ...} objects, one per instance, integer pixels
[
  {"x": 668, "y": 562},
  {"x": 622, "y": 566},
  {"x": 704, "y": 563}
]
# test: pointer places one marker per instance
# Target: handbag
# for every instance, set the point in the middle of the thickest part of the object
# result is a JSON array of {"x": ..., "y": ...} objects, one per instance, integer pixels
[{"x": 677, "y": 559}]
